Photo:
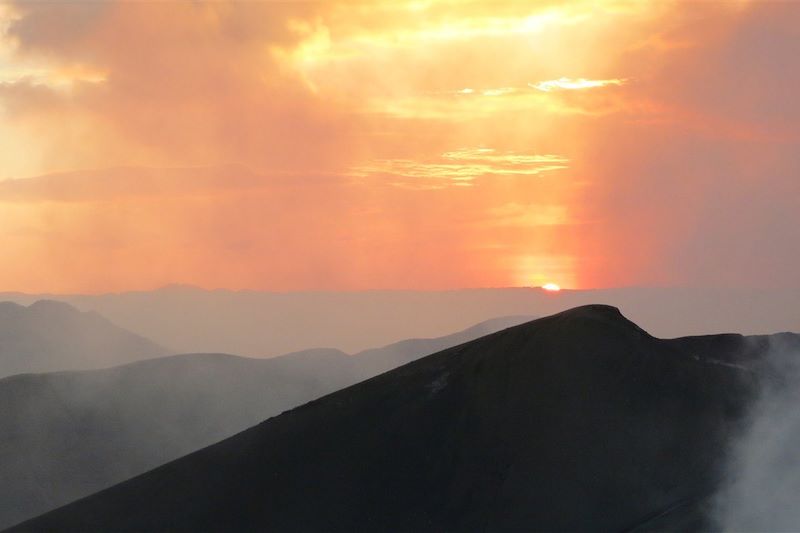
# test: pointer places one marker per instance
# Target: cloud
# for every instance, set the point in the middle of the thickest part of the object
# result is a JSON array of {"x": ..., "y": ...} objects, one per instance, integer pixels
[
  {"x": 574, "y": 84},
  {"x": 166, "y": 84},
  {"x": 461, "y": 167},
  {"x": 498, "y": 92}
]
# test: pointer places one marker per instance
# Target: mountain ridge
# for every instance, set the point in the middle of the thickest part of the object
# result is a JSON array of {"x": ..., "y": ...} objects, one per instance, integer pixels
[
  {"x": 50, "y": 335},
  {"x": 576, "y": 421},
  {"x": 66, "y": 434},
  {"x": 261, "y": 323}
]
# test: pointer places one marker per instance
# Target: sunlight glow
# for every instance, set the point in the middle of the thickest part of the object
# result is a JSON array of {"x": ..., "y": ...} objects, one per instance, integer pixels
[{"x": 394, "y": 143}]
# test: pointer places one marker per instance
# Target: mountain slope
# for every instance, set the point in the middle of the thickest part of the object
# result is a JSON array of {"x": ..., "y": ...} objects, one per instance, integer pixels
[
  {"x": 578, "y": 421},
  {"x": 49, "y": 335},
  {"x": 378, "y": 360},
  {"x": 66, "y": 435}
]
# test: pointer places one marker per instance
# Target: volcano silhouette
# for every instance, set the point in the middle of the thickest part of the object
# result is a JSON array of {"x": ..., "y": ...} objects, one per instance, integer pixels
[{"x": 577, "y": 421}]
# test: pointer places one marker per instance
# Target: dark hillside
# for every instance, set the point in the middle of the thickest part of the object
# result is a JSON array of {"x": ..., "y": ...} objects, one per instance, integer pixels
[
  {"x": 66, "y": 435},
  {"x": 578, "y": 421}
]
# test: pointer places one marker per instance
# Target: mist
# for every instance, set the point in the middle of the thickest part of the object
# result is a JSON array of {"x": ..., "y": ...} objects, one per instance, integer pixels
[{"x": 762, "y": 475}]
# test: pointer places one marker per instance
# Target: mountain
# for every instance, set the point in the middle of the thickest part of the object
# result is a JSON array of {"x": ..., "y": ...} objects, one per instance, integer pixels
[
  {"x": 266, "y": 324},
  {"x": 377, "y": 360},
  {"x": 49, "y": 335},
  {"x": 578, "y": 421},
  {"x": 68, "y": 434}
]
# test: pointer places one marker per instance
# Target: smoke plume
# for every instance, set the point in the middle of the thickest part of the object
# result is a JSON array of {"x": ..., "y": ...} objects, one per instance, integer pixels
[{"x": 763, "y": 473}]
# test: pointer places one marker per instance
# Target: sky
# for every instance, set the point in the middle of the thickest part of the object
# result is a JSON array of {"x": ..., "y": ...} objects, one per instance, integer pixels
[{"x": 403, "y": 144}]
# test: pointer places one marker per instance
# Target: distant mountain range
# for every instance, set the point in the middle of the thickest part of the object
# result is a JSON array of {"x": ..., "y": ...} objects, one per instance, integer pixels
[
  {"x": 265, "y": 324},
  {"x": 65, "y": 435},
  {"x": 49, "y": 335},
  {"x": 578, "y": 421}
]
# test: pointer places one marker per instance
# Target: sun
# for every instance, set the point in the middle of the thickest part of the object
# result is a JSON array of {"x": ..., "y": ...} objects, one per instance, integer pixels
[{"x": 551, "y": 287}]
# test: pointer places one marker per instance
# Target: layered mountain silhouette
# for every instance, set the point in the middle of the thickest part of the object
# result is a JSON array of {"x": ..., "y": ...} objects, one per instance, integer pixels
[
  {"x": 578, "y": 421},
  {"x": 49, "y": 335},
  {"x": 68, "y": 434},
  {"x": 265, "y": 324}
]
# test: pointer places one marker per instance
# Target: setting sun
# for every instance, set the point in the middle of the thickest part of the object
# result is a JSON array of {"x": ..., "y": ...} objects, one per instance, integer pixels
[{"x": 551, "y": 287}]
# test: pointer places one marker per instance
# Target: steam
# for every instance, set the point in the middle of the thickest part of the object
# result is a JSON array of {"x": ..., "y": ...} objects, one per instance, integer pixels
[{"x": 763, "y": 472}]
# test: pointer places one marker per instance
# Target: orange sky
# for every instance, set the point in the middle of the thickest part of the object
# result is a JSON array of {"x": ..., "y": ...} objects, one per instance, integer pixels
[{"x": 398, "y": 144}]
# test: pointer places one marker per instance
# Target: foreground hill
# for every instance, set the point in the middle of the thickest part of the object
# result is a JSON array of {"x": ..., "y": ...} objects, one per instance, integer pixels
[
  {"x": 49, "y": 335},
  {"x": 66, "y": 435},
  {"x": 578, "y": 421}
]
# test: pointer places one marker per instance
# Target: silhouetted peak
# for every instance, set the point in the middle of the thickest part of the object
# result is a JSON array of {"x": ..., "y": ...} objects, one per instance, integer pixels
[
  {"x": 594, "y": 312},
  {"x": 604, "y": 319}
]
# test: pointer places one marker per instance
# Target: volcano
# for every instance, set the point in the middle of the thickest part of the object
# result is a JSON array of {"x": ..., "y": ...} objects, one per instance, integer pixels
[{"x": 577, "y": 421}]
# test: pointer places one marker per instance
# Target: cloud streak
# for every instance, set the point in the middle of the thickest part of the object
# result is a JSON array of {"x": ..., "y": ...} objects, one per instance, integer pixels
[
  {"x": 462, "y": 167},
  {"x": 574, "y": 84}
]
